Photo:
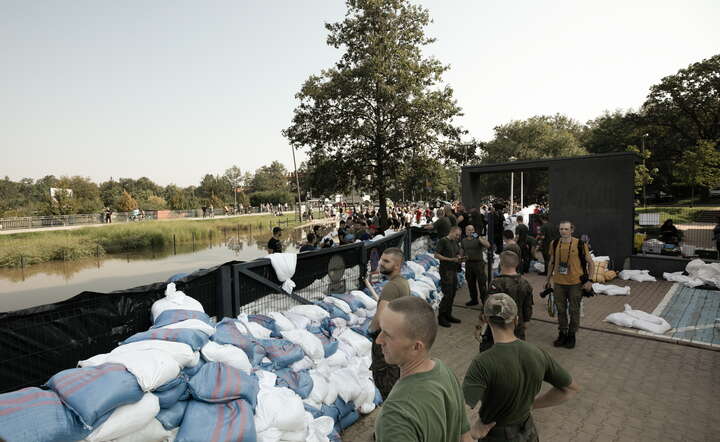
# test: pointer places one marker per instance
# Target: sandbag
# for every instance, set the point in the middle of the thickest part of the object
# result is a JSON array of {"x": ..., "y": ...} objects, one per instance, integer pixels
[
  {"x": 267, "y": 322},
  {"x": 32, "y": 414},
  {"x": 282, "y": 322},
  {"x": 284, "y": 265},
  {"x": 309, "y": 343},
  {"x": 249, "y": 327},
  {"x": 610, "y": 290},
  {"x": 226, "y": 332},
  {"x": 217, "y": 382},
  {"x": 172, "y": 417},
  {"x": 640, "y": 320},
  {"x": 414, "y": 267},
  {"x": 329, "y": 343},
  {"x": 298, "y": 381},
  {"x": 318, "y": 392},
  {"x": 637, "y": 275},
  {"x": 350, "y": 300},
  {"x": 174, "y": 300},
  {"x": 182, "y": 353},
  {"x": 359, "y": 343},
  {"x": 192, "y": 324},
  {"x": 333, "y": 310},
  {"x": 683, "y": 279},
  {"x": 367, "y": 301},
  {"x": 168, "y": 317},
  {"x": 152, "y": 368},
  {"x": 279, "y": 408},
  {"x": 598, "y": 272},
  {"x": 127, "y": 419},
  {"x": 92, "y": 392},
  {"x": 312, "y": 312},
  {"x": 152, "y": 432},
  {"x": 298, "y": 320},
  {"x": 339, "y": 303},
  {"x": 228, "y": 422},
  {"x": 172, "y": 392},
  {"x": 281, "y": 352},
  {"x": 227, "y": 354},
  {"x": 193, "y": 369},
  {"x": 194, "y": 338}
]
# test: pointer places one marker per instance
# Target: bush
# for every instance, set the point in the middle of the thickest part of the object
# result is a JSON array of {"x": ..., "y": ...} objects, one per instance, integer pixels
[{"x": 270, "y": 196}]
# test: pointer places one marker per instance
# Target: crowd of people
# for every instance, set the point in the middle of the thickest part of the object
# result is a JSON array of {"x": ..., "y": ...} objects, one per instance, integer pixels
[{"x": 423, "y": 399}]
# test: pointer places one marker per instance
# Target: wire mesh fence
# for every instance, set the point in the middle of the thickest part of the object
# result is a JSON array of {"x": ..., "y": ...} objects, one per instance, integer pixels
[{"x": 677, "y": 231}]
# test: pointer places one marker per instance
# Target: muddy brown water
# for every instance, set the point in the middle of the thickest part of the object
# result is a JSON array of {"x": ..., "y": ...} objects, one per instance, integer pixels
[{"x": 59, "y": 280}]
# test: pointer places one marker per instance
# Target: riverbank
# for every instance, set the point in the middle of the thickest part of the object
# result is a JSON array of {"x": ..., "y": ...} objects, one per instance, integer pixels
[{"x": 23, "y": 249}]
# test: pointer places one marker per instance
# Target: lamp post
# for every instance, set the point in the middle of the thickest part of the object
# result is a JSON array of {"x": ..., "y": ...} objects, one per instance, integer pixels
[
  {"x": 512, "y": 187},
  {"x": 642, "y": 149},
  {"x": 297, "y": 181}
]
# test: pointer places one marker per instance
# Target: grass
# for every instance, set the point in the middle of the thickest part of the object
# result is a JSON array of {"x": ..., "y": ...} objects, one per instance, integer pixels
[
  {"x": 679, "y": 215},
  {"x": 24, "y": 249}
]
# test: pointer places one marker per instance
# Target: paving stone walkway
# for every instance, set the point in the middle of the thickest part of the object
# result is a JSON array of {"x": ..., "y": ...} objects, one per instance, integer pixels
[{"x": 633, "y": 389}]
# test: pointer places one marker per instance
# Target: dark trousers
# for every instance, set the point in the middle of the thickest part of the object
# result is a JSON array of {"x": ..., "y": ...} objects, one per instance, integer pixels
[
  {"x": 475, "y": 275},
  {"x": 524, "y": 432},
  {"x": 448, "y": 285},
  {"x": 568, "y": 296},
  {"x": 384, "y": 374}
]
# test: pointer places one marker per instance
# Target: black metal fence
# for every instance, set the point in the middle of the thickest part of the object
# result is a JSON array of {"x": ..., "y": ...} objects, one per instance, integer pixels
[
  {"x": 40, "y": 341},
  {"x": 691, "y": 234}
]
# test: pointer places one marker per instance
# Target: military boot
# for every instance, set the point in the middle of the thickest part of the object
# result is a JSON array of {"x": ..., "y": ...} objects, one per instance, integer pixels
[
  {"x": 561, "y": 340},
  {"x": 570, "y": 342}
]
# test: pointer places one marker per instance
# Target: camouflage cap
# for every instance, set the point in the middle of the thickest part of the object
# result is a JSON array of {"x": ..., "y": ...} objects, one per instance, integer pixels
[{"x": 500, "y": 305}]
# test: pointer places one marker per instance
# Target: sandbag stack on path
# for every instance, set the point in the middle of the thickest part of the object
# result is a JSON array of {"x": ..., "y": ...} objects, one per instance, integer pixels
[{"x": 699, "y": 273}]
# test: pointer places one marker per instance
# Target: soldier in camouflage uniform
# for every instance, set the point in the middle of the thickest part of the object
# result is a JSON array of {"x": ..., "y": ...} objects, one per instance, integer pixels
[{"x": 513, "y": 284}]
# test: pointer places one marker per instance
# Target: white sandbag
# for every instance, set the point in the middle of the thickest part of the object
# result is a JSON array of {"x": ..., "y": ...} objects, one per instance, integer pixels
[
  {"x": 319, "y": 390},
  {"x": 284, "y": 265},
  {"x": 419, "y": 288},
  {"x": 93, "y": 361},
  {"x": 339, "y": 303},
  {"x": 365, "y": 402},
  {"x": 539, "y": 267},
  {"x": 280, "y": 408},
  {"x": 174, "y": 300},
  {"x": 367, "y": 301},
  {"x": 339, "y": 322},
  {"x": 610, "y": 290},
  {"x": 266, "y": 379},
  {"x": 152, "y": 368},
  {"x": 227, "y": 354},
  {"x": 683, "y": 279},
  {"x": 338, "y": 359},
  {"x": 415, "y": 267},
  {"x": 282, "y": 322},
  {"x": 355, "y": 320},
  {"x": 247, "y": 327},
  {"x": 313, "y": 312},
  {"x": 363, "y": 313},
  {"x": 193, "y": 324},
  {"x": 298, "y": 320},
  {"x": 181, "y": 352},
  {"x": 621, "y": 318},
  {"x": 640, "y": 320},
  {"x": 303, "y": 364},
  {"x": 347, "y": 384},
  {"x": 637, "y": 275},
  {"x": 422, "y": 279},
  {"x": 319, "y": 429},
  {"x": 310, "y": 344},
  {"x": 152, "y": 432},
  {"x": 127, "y": 419}
]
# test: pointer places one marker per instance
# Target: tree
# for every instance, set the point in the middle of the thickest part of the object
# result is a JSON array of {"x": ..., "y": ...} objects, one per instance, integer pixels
[
  {"x": 688, "y": 103},
  {"x": 613, "y": 132},
  {"x": 126, "y": 203},
  {"x": 643, "y": 174},
  {"x": 700, "y": 166},
  {"x": 271, "y": 177},
  {"x": 383, "y": 100},
  {"x": 234, "y": 177}
]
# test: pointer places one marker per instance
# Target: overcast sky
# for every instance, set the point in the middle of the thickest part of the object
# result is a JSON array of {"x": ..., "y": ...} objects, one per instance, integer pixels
[{"x": 175, "y": 89}]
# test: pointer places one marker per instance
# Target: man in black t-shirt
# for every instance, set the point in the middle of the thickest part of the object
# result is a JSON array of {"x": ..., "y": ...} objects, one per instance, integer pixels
[
  {"x": 448, "y": 253},
  {"x": 274, "y": 245}
]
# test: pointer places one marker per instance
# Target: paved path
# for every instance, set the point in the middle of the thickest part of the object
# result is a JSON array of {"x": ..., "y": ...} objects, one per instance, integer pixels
[{"x": 633, "y": 389}]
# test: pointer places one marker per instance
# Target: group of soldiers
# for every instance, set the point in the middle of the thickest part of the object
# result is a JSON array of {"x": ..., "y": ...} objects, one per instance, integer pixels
[{"x": 423, "y": 398}]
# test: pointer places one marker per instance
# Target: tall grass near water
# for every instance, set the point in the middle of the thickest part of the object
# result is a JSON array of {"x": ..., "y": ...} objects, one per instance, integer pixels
[{"x": 24, "y": 249}]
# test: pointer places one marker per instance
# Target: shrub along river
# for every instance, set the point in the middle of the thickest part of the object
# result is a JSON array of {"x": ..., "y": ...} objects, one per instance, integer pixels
[{"x": 58, "y": 280}]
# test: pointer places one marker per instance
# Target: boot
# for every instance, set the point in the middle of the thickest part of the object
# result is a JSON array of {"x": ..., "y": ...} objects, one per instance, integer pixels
[
  {"x": 570, "y": 342},
  {"x": 453, "y": 319},
  {"x": 442, "y": 322},
  {"x": 472, "y": 302},
  {"x": 561, "y": 340}
]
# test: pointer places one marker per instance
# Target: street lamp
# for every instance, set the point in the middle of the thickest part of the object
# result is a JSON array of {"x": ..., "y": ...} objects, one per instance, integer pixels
[
  {"x": 297, "y": 181},
  {"x": 512, "y": 186},
  {"x": 642, "y": 149}
]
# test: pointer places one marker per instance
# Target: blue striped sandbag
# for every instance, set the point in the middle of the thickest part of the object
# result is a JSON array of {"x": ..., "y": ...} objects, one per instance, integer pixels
[
  {"x": 218, "y": 382},
  {"x": 222, "y": 422},
  {"x": 298, "y": 381},
  {"x": 174, "y": 316},
  {"x": 227, "y": 333},
  {"x": 172, "y": 417},
  {"x": 194, "y": 338},
  {"x": 281, "y": 352}
]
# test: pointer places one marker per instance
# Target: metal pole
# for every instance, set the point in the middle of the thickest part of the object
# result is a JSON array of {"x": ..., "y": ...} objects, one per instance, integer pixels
[
  {"x": 644, "y": 170},
  {"x": 297, "y": 180},
  {"x": 512, "y": 191},
  {"x": 522, "y": 190}
]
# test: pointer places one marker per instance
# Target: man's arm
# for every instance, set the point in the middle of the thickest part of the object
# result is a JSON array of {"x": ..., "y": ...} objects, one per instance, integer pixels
[
  {"x": 556, "y": 396},
  {"x": 549, "y": 267}
]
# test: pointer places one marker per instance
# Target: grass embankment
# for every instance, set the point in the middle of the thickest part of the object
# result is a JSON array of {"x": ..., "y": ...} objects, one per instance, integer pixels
[
  {"x": 24, "y": 249},
  {"x": 679, "y": 215}
]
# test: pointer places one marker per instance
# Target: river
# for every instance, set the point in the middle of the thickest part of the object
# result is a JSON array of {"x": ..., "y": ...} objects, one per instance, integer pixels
[{"x": 55, "y": 281}]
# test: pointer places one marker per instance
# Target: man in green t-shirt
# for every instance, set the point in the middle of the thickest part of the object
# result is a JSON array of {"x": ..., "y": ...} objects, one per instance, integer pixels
[
  {"x": 426, "y": 404},
  {"x": 386, "y": 375},
  {"x": 506, "y": 378},
  {"x": 448, "y": 253},
  {"x": 442, "y": 225}
]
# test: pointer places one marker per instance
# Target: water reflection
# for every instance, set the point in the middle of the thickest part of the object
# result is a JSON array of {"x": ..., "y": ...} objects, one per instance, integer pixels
[{"x": 54, "y": 281}]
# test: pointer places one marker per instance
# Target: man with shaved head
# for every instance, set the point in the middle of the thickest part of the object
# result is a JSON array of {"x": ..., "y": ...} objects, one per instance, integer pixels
[{"x": 426, "y": 404}]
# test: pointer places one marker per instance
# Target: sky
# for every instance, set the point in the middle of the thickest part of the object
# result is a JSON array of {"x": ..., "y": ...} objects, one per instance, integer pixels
[{"x": 175, "y": 89}]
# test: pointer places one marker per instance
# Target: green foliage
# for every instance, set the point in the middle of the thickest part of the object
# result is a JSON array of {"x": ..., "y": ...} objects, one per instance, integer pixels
[
  {"x": 273, "y": 177},
  {"x": 383, "y": 100},
  {"x": 126, "y": 203},
  {"x": 271, "y": 196},
  {"x": 643, "y": 174},
  {"x": 700, "y": 166},
  {"x": 613, "y": 132}
]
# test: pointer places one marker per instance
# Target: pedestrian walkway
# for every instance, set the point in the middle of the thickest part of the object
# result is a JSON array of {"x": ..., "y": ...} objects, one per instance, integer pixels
[
  {"x": 633, "y": 390},
  {"x": 694, "y": 315}
]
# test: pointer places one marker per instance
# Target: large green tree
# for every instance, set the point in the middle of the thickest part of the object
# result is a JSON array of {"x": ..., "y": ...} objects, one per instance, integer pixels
[
  {"x": 382, "y": 101},
  {"x": 700, "y": 166}
]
